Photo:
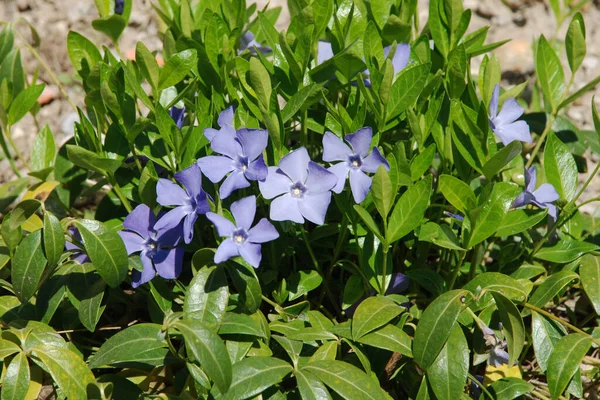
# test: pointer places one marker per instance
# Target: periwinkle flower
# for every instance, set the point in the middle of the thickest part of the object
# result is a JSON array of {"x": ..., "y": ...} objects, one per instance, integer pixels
[
  {"x": 177, "y": 114},
  {"x": 300, "y": 188},
  {"x": 119, "y": 7},
  {"x": 189, "y": 202},
  {"x": 241, "y": 158},
  {"x": 248, "y": 42},
  {"x": 498, "y": 354},
  {"x": 158, "y": 250},
  {"x": 541, "y": 197},
  {"x": 242, "y": 240},
  {"x": 505, "y": 124},
  {"x": 356, "y": 160},
  {"x": 78, "y": 254},
  {"x": 225, "y": 122},
  {"x": 399, "y": 61}
]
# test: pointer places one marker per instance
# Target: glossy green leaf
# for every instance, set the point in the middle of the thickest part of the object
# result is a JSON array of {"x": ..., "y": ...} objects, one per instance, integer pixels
[
  {"x": 560, "y": 167},
  {"x": 328, "y": 351},
  {"x": 302, "y": 282},
  {"x": 517, "y": 221},
  {"x": 458, "y": 193},
  {"x": 575, "y": 42},
  {"x": 207, "y": 297},
  {"x": 428, "y": 279},
  {"x": 16, "y": 378},
  {"x": 510, "y": 388},
  {"x": 89, "y": 160},
  {"x": 240, "y": 324},
  {"x": 147, "y": 63},
  {"x": 406, "y": 89},
  {"x": 550, "y": 73},
  {"x": 438, "y": 28},
  {"x": 589, "y": 271},
  {"x": 91, "y": 308},
  {"x": 495, "y": 281},
  {"x": 206, "y": 347},
  {"x": 346, "y": 380},
  {"x": 501, "y": 159},
  {"x": 552, "y": 286},
  {"x": 564, "y": 361},
  {"x": 381, "y": 189},
  {"x": 176, "y": 68},
  {"x": 43, "y": 151},
  {"x": 448, "y": 374},
  {"x": 54, "y": 238},
  {"x": 441, "y": 235},
  {"x": 421, "y": 163},
  {"x": 409, "y": 210},
  {"x": 310, "y": 387},
  {"x": 390, "y": 337},
  {"x": 260, "y": 81},
  {"x": 24, "y": 102},
  {"x": 112, "y": 26},
  {"x": 565, "y": 251},
  {"x": 293, "y": 348},
  {"x": 512, "y": 326},
  {"x": 253, "y": 375},
  {"x": 368, "y": 220},
  {"x": 299, "y": 101},
  {"x": 22, "y": 212},
  {"x": 28, "y": 266},
  {"x": 372, "y": 313},
  {"x": 245, "y": 280},
  {"x": 456, "y": 71},
  {"x": 106, "y": 250},
  {"x": 139, "y": 343},
  {"x": 545, "y": 334},
  {"x": 82, "y": 52},
  {"x": 435, "y": 326}
]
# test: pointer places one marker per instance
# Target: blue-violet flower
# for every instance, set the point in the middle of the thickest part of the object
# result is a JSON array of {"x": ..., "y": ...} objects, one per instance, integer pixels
[
  {"x": 399, "y": 61},
  {"x": 242, "y": 240},
  {"x": 248, "y": 41},
  {"x": 541, "y": 197},
  {"x": 225, "y": 122},
  {"x": 177, "y": 114},
  {"x": 505, "y": 124},
  {"x": 78, "y": 254}
]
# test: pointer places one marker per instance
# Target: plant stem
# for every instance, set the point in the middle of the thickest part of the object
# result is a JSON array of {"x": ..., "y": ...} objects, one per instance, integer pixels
[
  {"x": 457, "y": 270},
  {"x": 483, "y": 389},
  {"x": 310, "y": 251},
  {"x": 304, "y": 129},
  {"x": 384, "y": 269},
  {"x": 476, "y": 260},
  {"x": 541, "y": 140},
  {"x": 8, "y": 156},
  {"x": 120, "y": 194}
]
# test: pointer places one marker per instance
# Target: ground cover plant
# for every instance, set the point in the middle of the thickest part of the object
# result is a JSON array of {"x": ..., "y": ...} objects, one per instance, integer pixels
[{"x": 340, "y": 210}]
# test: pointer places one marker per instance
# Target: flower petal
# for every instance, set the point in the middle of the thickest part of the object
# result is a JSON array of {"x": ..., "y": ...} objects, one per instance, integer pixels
[
  {"x": 400, "y": 60},
  {"x": 210, "y": 133},
  {"x": 262, "y": 232},
  {"x": 372, "y": 162},
  {"x": 285, "y": 208},
  {"x": 133, "y": 241},
  {"x": 170, "y": 237},
  {"x": 498, "y": 357},
  {"x": 170, "y": 220},
  {"x": 334, "y": 149},
  {"x": 177, "y": 115},
  {"x": 511, "y": 111},
  {"x": 494, "y": 101},
  {"x": 215, "y": 167},
  {"x": 399, "y": 283},
  {"x": 360, "y": 184},
  {"x": 226, "y": 250},
  {"x": 168, "y": 193},
  {"x": 168, "y": 263},
  {"x": 224, "y": 226},
  {"x": 244, "y": 211},
  {"x": 523, "y": 199},
  {"x": 530, "y": 179},
  {"x": 188, "y": 227},
  {"x": 141, "y": 220},
  {"x": 552, "y": 212},
  {"x": 325, "y": 51},
  {"x": 251, "y": 253},
  {"x": 236, "y": 180},
  {"x": 226, "y": 143},
  {"x": 319, "y": 179},
  {"x": 139, "y": 278},
  {"x": 340, "y": 170},
  {"x": 314, "y": 206},
  {"x": 191, "y": 178},
  {"x": 257, "y": 170},
  {"x": 226, "y": 116},
  {"x": 516, "y": 131},
  {"x": 276, "y": 183},
  {"x": 254, "y": 142},
  {"x": 295, "y": 164},
  {"x": 546, "y": 193},
  {"x": 361, "y": 141}
]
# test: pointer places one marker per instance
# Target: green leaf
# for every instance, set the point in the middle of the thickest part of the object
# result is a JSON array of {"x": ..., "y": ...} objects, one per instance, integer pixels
[
  {"x": 54, "y": 238},
  {"x": 575, "y": 42},
  {"x": 293, "y": 348},
  {"x": 421, "y": 163},
  {"x": 207, "y": 297},
  {"x": 240, "y": 324},
  {"x": 448, "y": 374},
  {"x": 260, "y": 81},
  {"x": 209, "y": 350},
  {"x": 245, "y": 280},
  {"x": 495, "y": 281},
  {"x": 22, "y": 212},
  {"x": 441, "y": 235},
  {"x": 345, "y": 379},
  {"x": 139, "y": 343},
  {"x": 24, "y": 102},
  {"x": 67, "y": 369},
  {"x": 512, "y": 326},
  {"x": 589, "y": 271},
  {"x": 300, "y": 101},
  {"x": 106, "y": 250},
  {"x": 147, "y": 63},
  {"x": 368, "y": 220},
  {"x": 43, "y": 151},
  {"x": 509, "y": 388},
  {"x": 82, "y": 52},
  {"x": 487, "y": 217},
  {"x": 112, "y": 26},
  {"x": 550, "y": 73},
  {"x": 253, "y": 375},
  {"x": 28, "y": 266},
  {"x": 381, "y": 188},
  {"x": 176, "y": 68},
  {"x": 551, "y": 287},
  {"x": 309, "y": 386},
  {"x": 428, "y": 279},
  {"x": 391, "y": 338},
  {"x": 565, "y": 251},
  {"x": 545, "y": 334},
  {"x": 302, "y": 282},
  {"x": 456, "y": 71},
  {"x": 501, "y": 159},
  {"x": 16, "y": 378},
  {"x": 439, "y": 31},
  {"x": 458, "y": 193},
  {"x": 564, "y": 361},
  {"x": 436, "y": 324},
  {"x": 90, "y": 160},
  {"x": 409, "y": 210},
  {"x": 580, "y": 92},
  {"x": 372, "y": 313},
  {"x": 90, "y": 307},
  {"x": 560, "y": 167},
  {"x": 517, "y": 221},
  {"x": 406, "y": 89}
]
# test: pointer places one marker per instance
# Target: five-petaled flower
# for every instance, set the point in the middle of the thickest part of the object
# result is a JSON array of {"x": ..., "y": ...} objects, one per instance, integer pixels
[
  {"x": 225, "y": 122},
  {"x": 505, "y": 124},
  {"x": 302, "y": 189},
  {"x": 189, "y": 202},
  {"x": 541, "y": 197},
  {"x": 242, "y": 156},
  {"x": 355, "y": 161},
  {"x": 177, "y": 114},
  {"x": 242, "y": 240},
  {"x": 158, "y": 250}
]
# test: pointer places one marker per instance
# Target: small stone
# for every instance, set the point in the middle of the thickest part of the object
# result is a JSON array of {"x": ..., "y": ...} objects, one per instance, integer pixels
[
  {"x": 516, "y": 56},
  {"x": 23, "y": 5},
  {"x": 68, "y": 124},
  {"x": 49, "y": 94}
]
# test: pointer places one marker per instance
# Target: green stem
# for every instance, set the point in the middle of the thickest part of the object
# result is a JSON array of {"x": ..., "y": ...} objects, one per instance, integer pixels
[
  {"x": 476, "y": 260},
  {"x": 384, "y": 269},
  {"x": 304, "y": 129},
  {"x": 8, "y": 156},
  {"x": 16, "y": 149},
  {"x": 310, "y": 251},
  {"x": 457, "y": 270},
  {"x": 483, "y": 389},
  {"x": 540, "y": 141},
  {"x": 120, "y": 194}
]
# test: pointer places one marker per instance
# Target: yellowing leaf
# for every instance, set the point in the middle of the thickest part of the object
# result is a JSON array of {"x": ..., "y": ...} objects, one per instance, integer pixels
[
  {"x": 492, "y": 374},
  {"x": 41, "y": 191}
]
